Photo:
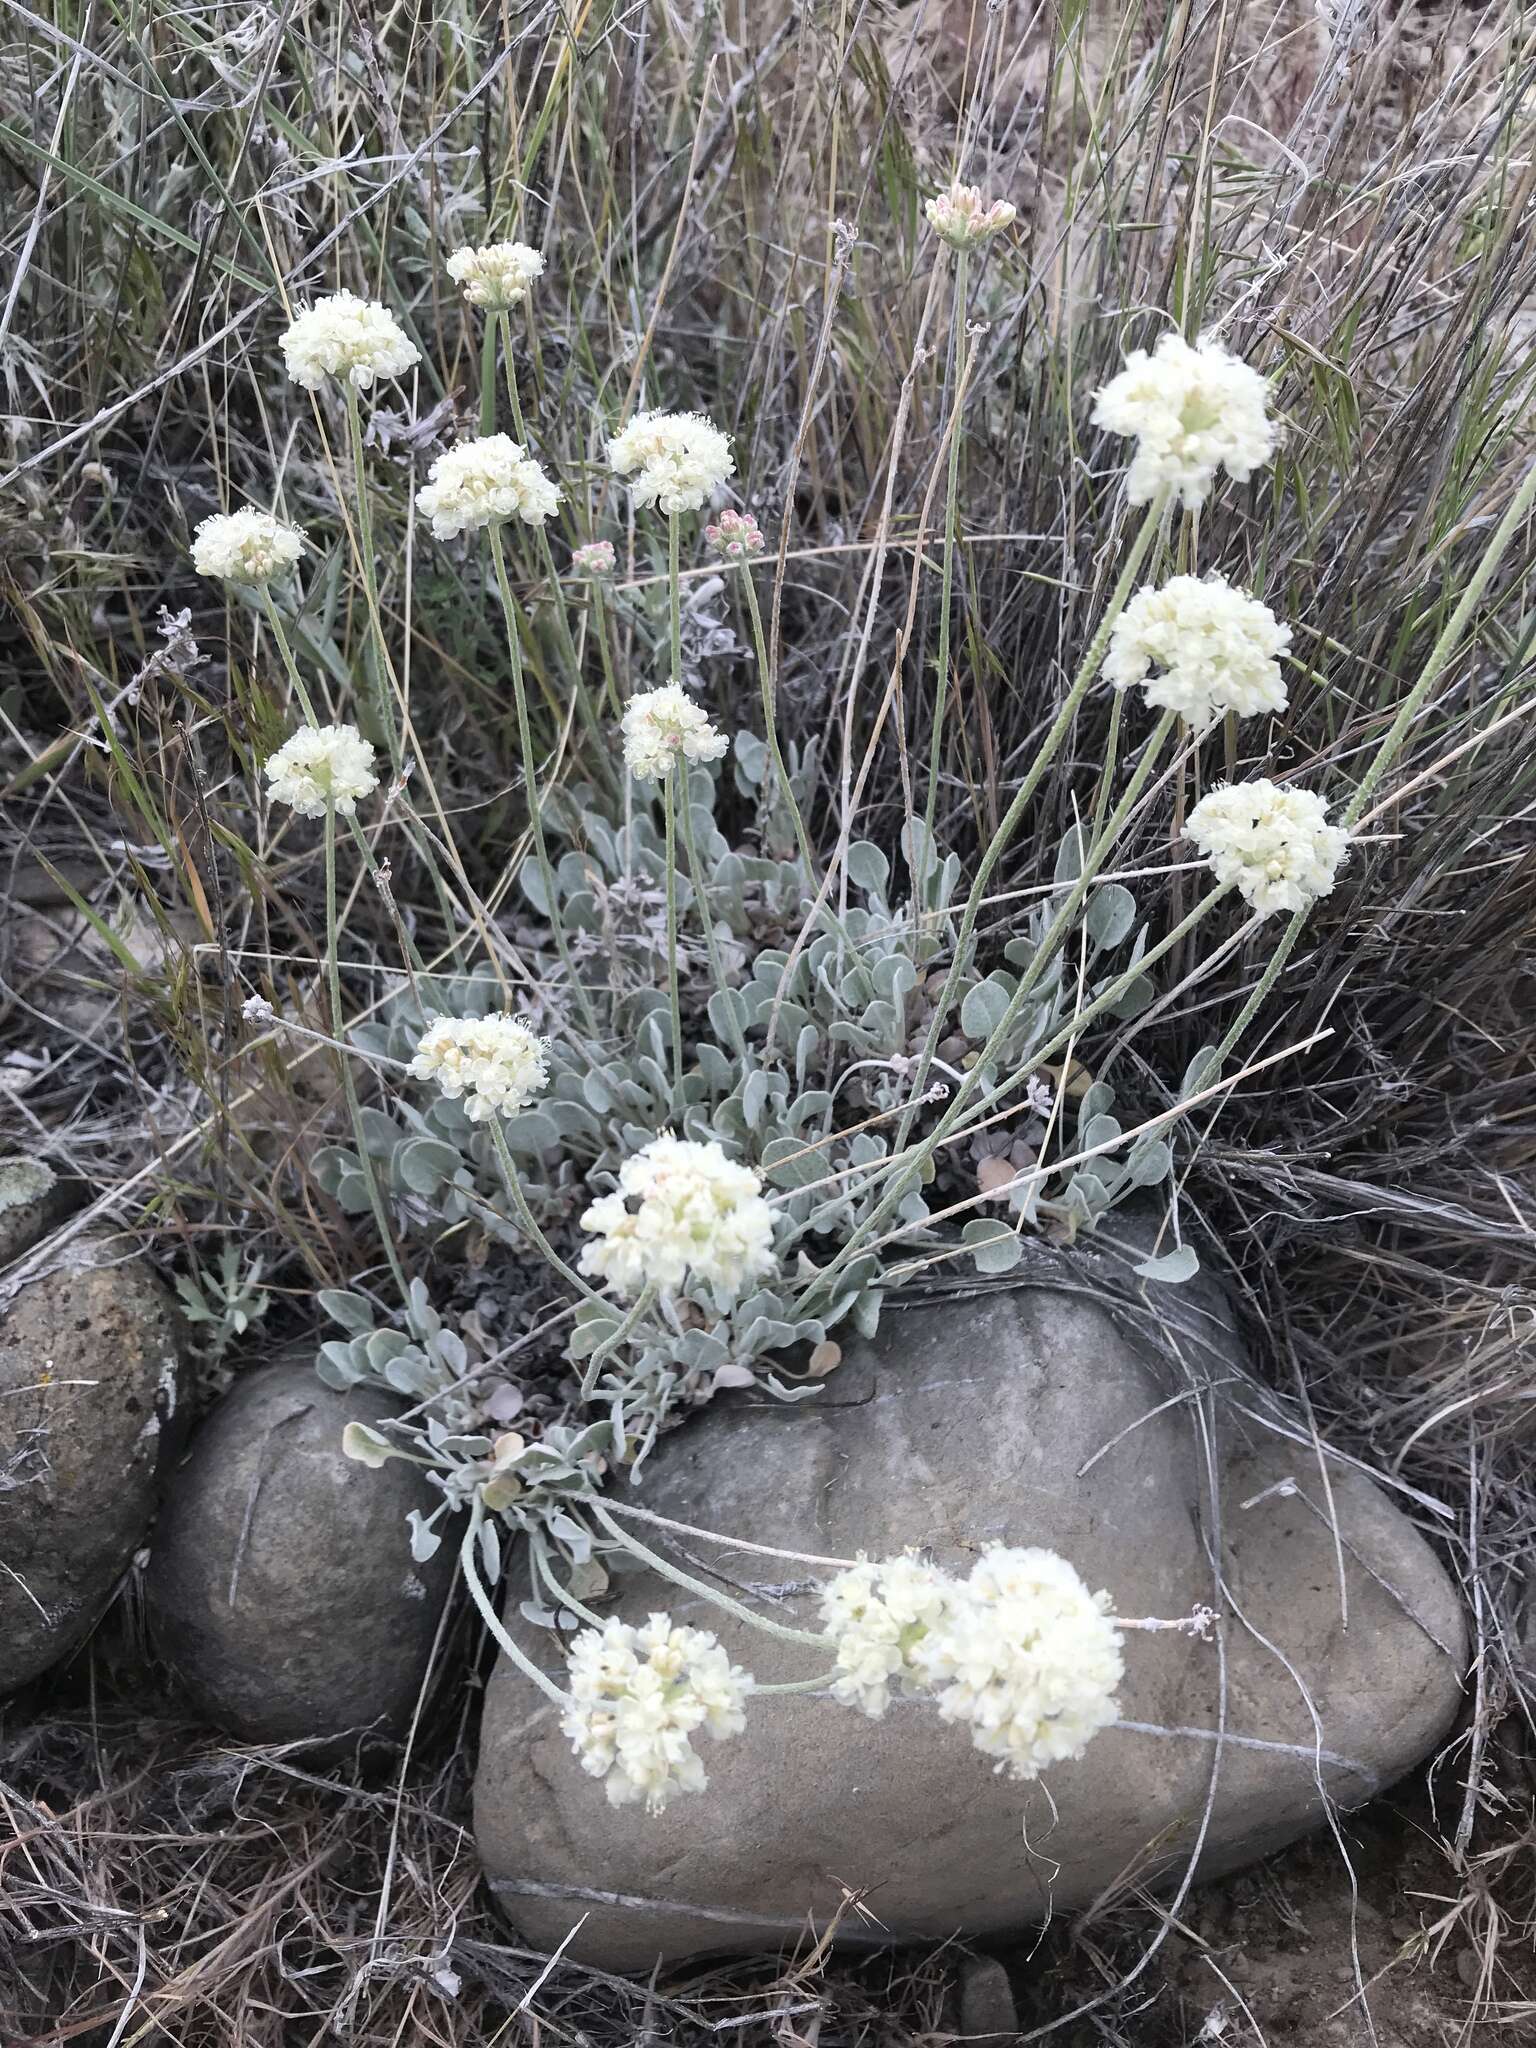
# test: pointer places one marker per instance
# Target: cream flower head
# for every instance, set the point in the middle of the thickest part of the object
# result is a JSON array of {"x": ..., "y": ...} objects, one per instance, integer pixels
[
  {"x": 498, "y": 1064},
  {"x": 320, "y": 766},
  {"x": 1275, "y": 843},
  {"x": 698, "y": 1217},
  {"x": 1193, "y": 411},
  {"x": 353, "y": 339},
  {"x": 1202, "y": 649},
  {"x": 484, "y": 482},
  {"x": 246, "y": 546},
  {"x": 962, "y": 218},
  {"x": 662, "y": 727},
  {"x": 674, "y": 460},
  {"x": 1025, "y": 1657},
  {"x": 639, "y": 1695},
  {"x": 875, "y": 1615},
  {"x": 496, "y": 275}
]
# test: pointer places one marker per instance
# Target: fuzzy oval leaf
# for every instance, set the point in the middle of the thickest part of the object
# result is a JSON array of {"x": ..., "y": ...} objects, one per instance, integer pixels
[{"x": 993, "y": 1246}]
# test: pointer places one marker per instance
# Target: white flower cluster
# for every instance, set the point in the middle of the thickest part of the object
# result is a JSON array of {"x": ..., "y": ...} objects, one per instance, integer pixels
[
  {"x": 1027, "y": 1658},
  {"x": 23, "y": 1181},
  {"x": 1020, "y": 1652},
  {"x": 1275, "y": 843},
  {"x": 321, "y": 765},
  {"x": 1193, "y": 411},
  {"x": 662, "y": 727},
  {"x": 246, "y": 546},
  {"x": 698, "y": 1216},
  {"x": 639, "y": 1695},
  {"x": 481, "y": 483},
  {"x": 344, "y": 336},
  {"x": 962, "y": 218},
  {"x": 497, "y": 275},
  {"x": 674, "y": 460},
  {"x": 876, "y": 1614},
  {"x": 498, "y": 1064},
  {"x": 1202, "y": 648}
]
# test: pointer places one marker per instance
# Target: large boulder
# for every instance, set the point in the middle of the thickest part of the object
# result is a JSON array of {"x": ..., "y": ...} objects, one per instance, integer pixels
[
  {"x": 1137, "y": 1448},
  {"x": 281, "y": 1585},
  {"x": 90, "y": 1359}
]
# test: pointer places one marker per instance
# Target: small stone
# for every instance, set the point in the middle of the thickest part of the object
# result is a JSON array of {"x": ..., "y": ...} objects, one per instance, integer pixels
[
  {"x": 1026, "y": 1416},
  {"x": 90, "y": 1364},
  {"x": 281, "y": 1584},
  {"x": 987, "y": 2010}
]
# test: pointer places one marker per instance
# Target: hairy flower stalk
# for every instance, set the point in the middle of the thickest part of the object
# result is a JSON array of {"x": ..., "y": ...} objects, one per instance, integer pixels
[
  {"x": 1193, "y": 410},
  {"x": 1009, "y": 824},
  {"x": 531, "y": 784},
  {"x": 960, "y": 382},
  {"x": 376, "y": 1201},
  {"x": 675, "y": 461},
  {"x": 706, "y": 918},
  {"x": 771, "y": 723},
  {"x": 637, "y": 1698},
  {"x": 1201, "y": 648},
  {"x": 697, "y": 1216},
  {"x": 663, "y": 731},
  {"x": 1445, "y": 646}
]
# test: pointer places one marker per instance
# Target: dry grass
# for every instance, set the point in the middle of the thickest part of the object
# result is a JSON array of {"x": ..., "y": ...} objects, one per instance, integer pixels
[{"x": 731, "y": 201}]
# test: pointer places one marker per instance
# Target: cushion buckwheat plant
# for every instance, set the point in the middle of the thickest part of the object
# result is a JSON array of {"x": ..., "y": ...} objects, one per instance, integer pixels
[{"x": 715, "y": 1091}]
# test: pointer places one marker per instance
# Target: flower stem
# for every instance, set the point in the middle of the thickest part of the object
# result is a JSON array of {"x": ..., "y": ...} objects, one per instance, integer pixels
[
  {"x": 771, "y": 727},
  {"x": 690, "y": 1584},
  {"x": 669, "y": 811},
  {"x": 525, "y": 1216},
  {"x": 998, "y": 844},
  {"x": 701, "y": 897},
  {"x": 531, "y": 782},
  {"x": 951, "y": 523},
  {"x": 289, "y": 663},
  {"x": 675, "y": 593},
  {"x": 338, "y": 1032},
  {"x": 611, "y": 1343},
  {"x": 492, "y": 1619},
  {"x": 488, "y": 379},
  {"x": 383, "y": 700}
]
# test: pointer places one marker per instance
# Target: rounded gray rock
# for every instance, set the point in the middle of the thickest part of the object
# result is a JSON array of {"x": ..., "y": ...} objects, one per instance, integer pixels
[
  {"x": 281, "y": 1585},
  {"x": 90, "y": 1357},
  {"x": 1025, "y": 1416}
]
